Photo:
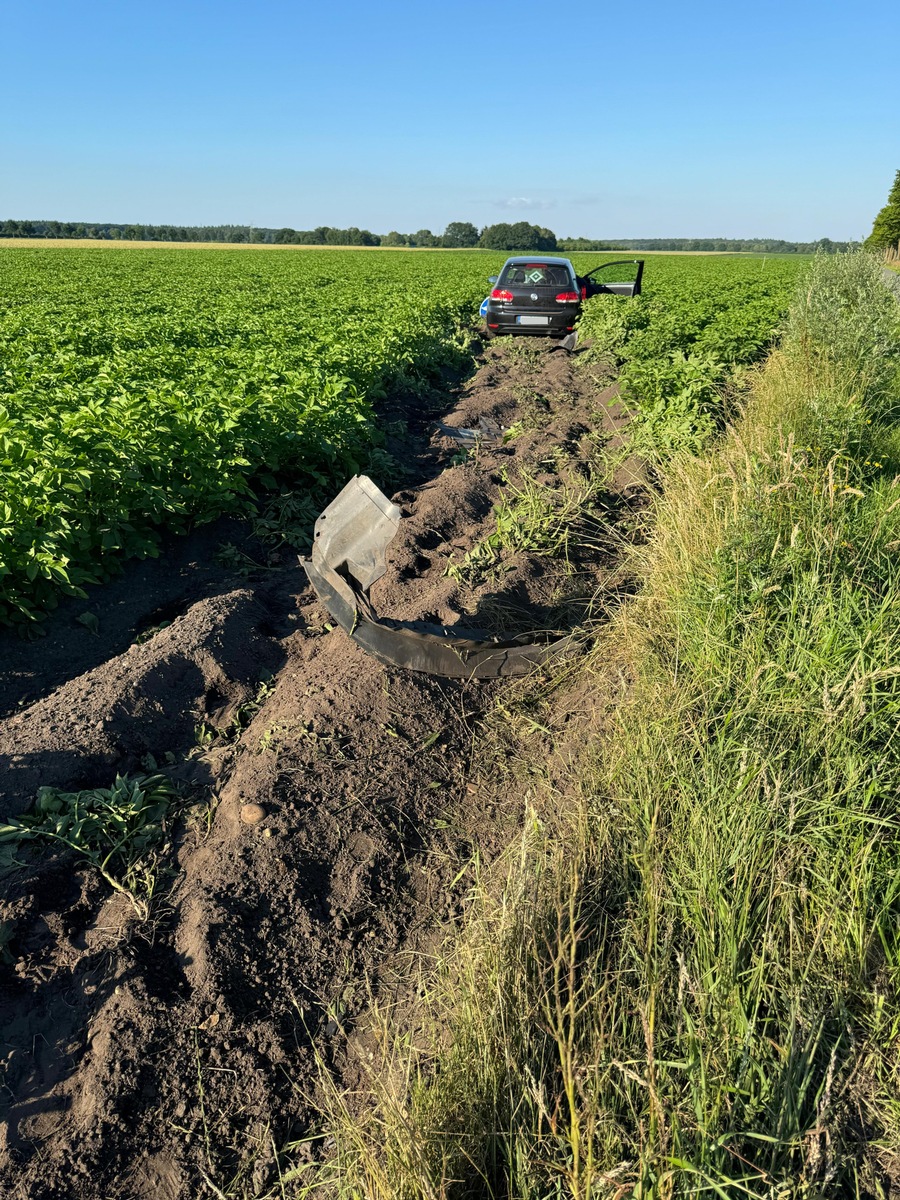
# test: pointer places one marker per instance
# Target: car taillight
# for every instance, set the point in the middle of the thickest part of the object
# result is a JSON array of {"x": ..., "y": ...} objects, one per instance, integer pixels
[
  {"x": 501, "y": 294},
  {"x": 568, "y": 297}
]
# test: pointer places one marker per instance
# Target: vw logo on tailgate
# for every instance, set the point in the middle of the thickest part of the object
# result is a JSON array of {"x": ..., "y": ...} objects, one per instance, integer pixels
[{"x": 534, "y": 295}]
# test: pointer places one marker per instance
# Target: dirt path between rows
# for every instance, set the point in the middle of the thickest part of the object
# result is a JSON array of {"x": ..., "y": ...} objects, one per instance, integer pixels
[{"x": 143, "y": 1060}]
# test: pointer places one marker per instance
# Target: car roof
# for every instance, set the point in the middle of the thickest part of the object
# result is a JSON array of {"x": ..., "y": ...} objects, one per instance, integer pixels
[{"x": 538, "y": 257}]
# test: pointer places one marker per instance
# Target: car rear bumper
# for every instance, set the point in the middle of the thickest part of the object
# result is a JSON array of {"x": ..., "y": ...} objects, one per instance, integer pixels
[{"x": 504, "y": 319}]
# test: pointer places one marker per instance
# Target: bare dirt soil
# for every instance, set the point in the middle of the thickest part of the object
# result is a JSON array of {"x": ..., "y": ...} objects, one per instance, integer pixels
[{"x": 169, "y": 1058}]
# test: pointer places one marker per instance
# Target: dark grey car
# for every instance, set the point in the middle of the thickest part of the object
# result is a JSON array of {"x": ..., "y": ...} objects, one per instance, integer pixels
[{"x": 539, "y": 294}]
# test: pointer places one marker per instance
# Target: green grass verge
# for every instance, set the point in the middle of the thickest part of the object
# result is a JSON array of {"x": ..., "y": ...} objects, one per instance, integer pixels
[{"x": 688, "y": 982}]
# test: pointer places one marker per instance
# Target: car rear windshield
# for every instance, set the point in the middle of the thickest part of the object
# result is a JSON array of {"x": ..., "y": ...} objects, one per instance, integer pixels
[{"x": 535, "y": 274}]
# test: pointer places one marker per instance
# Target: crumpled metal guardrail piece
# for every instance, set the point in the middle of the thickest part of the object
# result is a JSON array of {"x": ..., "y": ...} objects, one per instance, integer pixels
[
  {"x": 488, "y": 431},
  {"x": 348, "y": 555}
]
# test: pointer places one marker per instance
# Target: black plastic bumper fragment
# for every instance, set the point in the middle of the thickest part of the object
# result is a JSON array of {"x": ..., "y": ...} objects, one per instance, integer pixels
[{"x": 351, "y": 537}]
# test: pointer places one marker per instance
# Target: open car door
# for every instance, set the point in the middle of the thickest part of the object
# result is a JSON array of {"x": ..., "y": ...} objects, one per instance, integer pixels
[{"x": 595, "y": 285}]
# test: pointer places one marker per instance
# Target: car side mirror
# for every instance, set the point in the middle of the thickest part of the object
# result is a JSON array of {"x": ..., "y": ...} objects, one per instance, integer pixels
[{"x": 493, "y": 278}]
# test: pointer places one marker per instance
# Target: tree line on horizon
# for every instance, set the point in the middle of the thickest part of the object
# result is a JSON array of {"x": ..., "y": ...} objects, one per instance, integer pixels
[
  {"x": 457, "y": 235},
  {"x": 519, "y": 235},
  {"x": 732, "y": 245}
]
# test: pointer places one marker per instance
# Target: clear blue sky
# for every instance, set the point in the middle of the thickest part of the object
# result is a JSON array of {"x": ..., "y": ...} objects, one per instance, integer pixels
[{"x": 635, "y": 119}]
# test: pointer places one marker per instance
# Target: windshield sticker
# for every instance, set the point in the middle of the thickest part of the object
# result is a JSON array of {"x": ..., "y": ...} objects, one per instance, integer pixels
[{"x": 534, "y": 276}]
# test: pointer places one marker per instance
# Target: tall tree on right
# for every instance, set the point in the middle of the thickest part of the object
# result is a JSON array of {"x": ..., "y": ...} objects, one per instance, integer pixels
[{"x": 886, "y": 229}]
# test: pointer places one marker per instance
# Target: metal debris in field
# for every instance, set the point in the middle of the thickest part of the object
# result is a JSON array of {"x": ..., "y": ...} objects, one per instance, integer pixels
[
  {"x": 355, "y": 530},
  {"x": 348, "y": 556},
  {"x": 488, "y": 432}
]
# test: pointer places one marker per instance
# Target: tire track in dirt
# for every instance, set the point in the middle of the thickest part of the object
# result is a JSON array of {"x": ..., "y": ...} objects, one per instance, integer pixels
[{"x": 136, "y": 1058}]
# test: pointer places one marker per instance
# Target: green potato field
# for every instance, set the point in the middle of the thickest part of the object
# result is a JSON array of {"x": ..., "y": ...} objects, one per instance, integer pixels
[
  {"x": 698, "y": 321},
  {"x": 141, "y": 390}
]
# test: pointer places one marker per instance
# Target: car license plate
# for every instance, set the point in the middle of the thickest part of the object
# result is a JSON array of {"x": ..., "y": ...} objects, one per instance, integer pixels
[{"x": 533, "y": 320}]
